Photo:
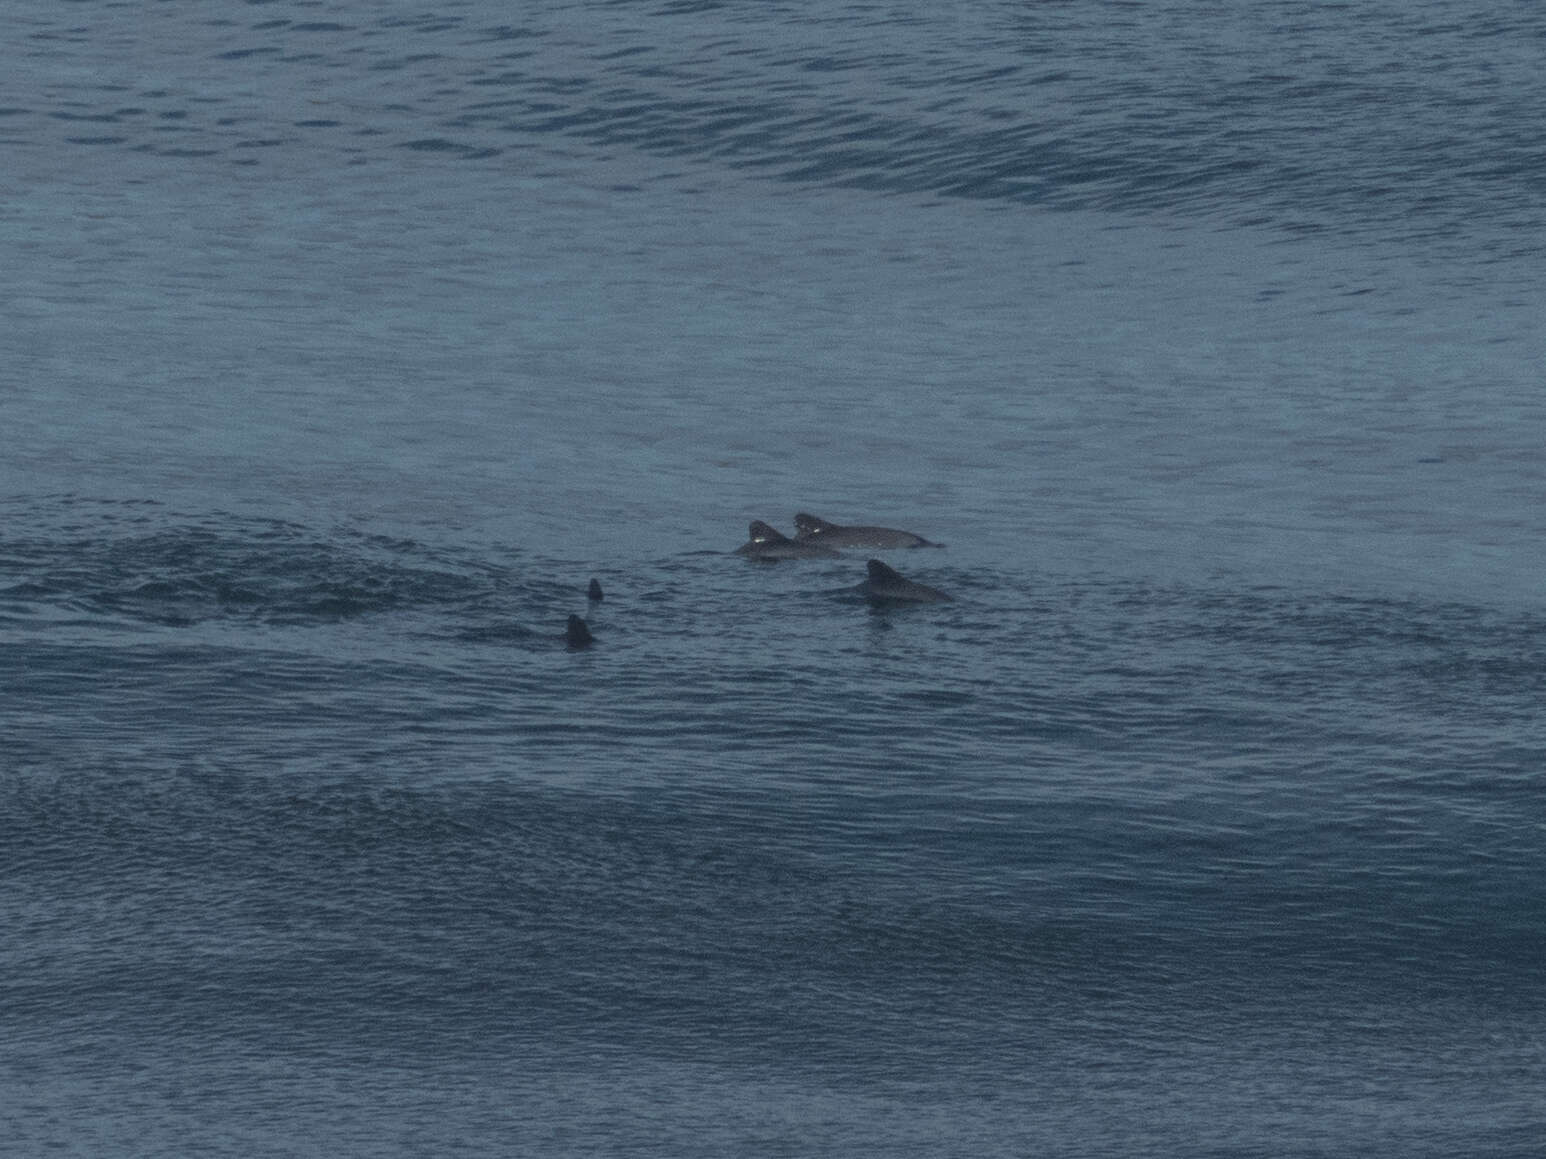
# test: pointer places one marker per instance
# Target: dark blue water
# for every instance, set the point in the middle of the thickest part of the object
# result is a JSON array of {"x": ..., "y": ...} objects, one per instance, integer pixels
[{"x": 345, "y": 343}]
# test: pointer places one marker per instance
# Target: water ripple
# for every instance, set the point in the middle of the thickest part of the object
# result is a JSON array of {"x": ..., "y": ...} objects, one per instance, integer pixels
[{"x": 1359, "y": 116}]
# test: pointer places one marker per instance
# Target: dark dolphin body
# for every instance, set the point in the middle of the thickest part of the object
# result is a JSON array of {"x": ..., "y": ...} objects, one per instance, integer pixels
[
  {"x": 885, "y": 586},
  {"x": 577, "y": 634},
  {"x": 594, "y": 592},
  {"x": 770, "y": 545},
  {"x": 814, "y": 530}
]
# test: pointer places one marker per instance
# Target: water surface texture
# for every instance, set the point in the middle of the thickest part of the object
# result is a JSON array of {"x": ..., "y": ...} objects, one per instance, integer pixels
[{"x": 345, "y": 343}]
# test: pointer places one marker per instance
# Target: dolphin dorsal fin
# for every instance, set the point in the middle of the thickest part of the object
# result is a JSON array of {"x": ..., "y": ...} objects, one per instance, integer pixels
[
  {"x": 577, "y": 633},
  {"x": 812, "y": 525},
  {"x": 594, "y": 591},
  {"x": 760, "y": 532},
  {"x": 880, "y": 573}
]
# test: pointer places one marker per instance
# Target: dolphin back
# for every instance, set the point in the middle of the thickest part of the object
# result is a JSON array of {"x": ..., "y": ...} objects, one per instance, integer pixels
[
  {"x": 808, "y": 525},
  {"x": 812, "y": 527}
]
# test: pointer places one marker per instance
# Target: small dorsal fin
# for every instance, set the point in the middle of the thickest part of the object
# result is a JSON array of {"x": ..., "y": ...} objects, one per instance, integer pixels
[
  {"x": 880, "y": 573},
  {"x": 577, "y": 634},
  {"x": 760, "y": 532},
  {"x": 884, "y": 586},
  {"x": 594, "y": 591}
]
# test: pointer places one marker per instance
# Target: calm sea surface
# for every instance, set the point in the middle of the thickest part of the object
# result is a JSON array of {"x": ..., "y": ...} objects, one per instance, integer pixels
[{"x": 344, "y": 342}]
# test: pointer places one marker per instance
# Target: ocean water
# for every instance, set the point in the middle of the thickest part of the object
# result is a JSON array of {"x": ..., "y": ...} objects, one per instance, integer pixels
[{"x": 345, "y": 342}]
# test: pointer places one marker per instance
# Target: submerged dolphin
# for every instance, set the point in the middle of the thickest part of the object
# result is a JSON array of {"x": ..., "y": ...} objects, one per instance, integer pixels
[
  {"x": 885, "y": 586},
  {"x": 768, "y": 544},
  {"x": 577, "y": 634},
  {"x": 814, "y": 530}
]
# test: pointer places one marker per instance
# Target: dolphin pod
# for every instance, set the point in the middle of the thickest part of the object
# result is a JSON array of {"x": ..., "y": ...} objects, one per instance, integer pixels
[
  {"x": 769, "y": 545},
  {"x": 818, "y": 539}
]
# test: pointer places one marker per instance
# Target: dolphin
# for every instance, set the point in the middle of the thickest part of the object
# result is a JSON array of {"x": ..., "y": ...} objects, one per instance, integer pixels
[
  {"x": 577, "y": 634},
  {"x": 770, "y": 545},
  {"x": 885, "y": 586},
  {"x": 593, "y": 593},
  {"x": 814, "y": 530}
]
